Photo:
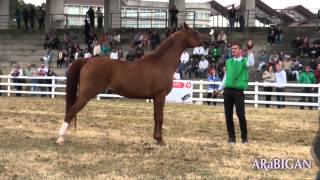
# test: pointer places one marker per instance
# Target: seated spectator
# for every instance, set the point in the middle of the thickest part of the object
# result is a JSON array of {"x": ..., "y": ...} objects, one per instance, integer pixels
[
  {"x": 222, "y": 38},
  {"x": 313, "y": 64},
  {"x": 28, "y": 72},
  {"x": 67, "y": 41},
  {"x": 213, "y": 77},
  {"x": 197, "y": 53},
  {"x": 203, "y": 67},
  {"x": 105, "y": 49},
  {"x": 305, "y": 47},
  {"x": 215, "y": 53},
  {"x": 268, "y": 76},
  {"x": 16, "y": 72},
  {"x": 176, "y": 75},
  {"x": 287, "y": 65},
  {"x": 114, "y": 54},
  {"x": 281, "y": 56},
  {"x": 263, "y": 60},
  {"x": 47, "y": 58},
  {"x": 317, "y": 73},
  {"x": 96, "y": 48},
  {"x": 117, "y": 39},
  {"x": 136, "y": 39},
  {"x": 120, "y": 53},
  {"x": 279, "y": 35},
  {"x": 61, "y": 58},
  {"x": 42, "y": 71},
  {"x": 87, "y": 54},
  {"x": 313, "y": 51},
  {"x": 46, "y": 41},
  {"x": 54, "y": 42},
  {"x": 274, "y": 58},
  {"x": 103, "y": 38},
  {"x": 297, "y": 46},
  {"x": 131, "y": 55},
  {"x": 154, "y": 40},
  {"x": 271, "y": 35},
  {"x": 307, "y": 77},
  {"x": 296, "y": 68},
  {"x": 139, "y": 51}
]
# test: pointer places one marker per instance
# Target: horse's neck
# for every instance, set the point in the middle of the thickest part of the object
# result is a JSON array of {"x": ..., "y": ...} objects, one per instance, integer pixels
[{"x": 171, "y": 58}]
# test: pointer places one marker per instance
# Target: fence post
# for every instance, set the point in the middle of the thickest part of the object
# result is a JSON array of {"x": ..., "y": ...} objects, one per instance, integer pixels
[
  {"x": 53, "y": 86},
  {"x": 318, "y": 96},
  {"x": 194, "y": 19},
  {"x": 256, "y": 97},
  {"x": 137, "y": 20},
  {"x": 201, "y": 93},
  {"x": 98, "y": 97},
  {"x": 9, "y": 87}
]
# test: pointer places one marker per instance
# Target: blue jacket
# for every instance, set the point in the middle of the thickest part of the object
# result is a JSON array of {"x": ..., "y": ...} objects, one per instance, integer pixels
[{"x": 213, "y": 79}]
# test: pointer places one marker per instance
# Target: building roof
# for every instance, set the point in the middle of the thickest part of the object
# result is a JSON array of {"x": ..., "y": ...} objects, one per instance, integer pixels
[
  {"x": 87, "y": 2},
  {"x": 302, "y": 10}
]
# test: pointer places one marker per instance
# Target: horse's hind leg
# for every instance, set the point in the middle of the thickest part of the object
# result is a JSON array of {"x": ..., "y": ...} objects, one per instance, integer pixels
[{"x": 74, "y": 109}]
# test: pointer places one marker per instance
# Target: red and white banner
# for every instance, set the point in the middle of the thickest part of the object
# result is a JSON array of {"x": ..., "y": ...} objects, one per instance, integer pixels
[{"x": 181, "y": 92}]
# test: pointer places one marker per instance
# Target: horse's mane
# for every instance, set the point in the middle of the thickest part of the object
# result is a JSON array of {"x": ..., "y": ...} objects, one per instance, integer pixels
[{"x": 163, "y": 47}]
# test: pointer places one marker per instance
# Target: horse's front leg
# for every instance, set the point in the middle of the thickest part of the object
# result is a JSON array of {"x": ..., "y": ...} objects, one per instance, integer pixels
[{"x": 158, "y": 103}]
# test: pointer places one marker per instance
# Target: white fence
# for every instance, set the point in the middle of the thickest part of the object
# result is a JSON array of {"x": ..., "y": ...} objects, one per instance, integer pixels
[{"x": 55, "y": 86}]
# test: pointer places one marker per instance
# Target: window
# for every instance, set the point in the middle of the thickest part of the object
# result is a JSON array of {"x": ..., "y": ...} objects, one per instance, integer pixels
[{"x": 73, "y": 10}]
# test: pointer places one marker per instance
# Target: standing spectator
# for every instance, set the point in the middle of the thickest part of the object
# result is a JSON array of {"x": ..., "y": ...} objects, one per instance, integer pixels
[
  {"x": 263, "y": 60},
  {"x": 306, "y": 47},
  {"x": 215, "y": 53},
  {"x": 281, "y": 81},
  {"x": 41, "y": 16},
  {"x": 87, "y": 30},
  {"x": 268, "y": 76},
  {"x": 307, "y": 77},
  {"x": 32, "y": 15},
  {"x": 34, "y": 81},
  {"x": 232, "y": 16},
  {"x": 90, "y": 14},
  {"x": 173, "y": 16},
  {"x": 50, "y": 73},
  {"x": 203, "y": 67},
  {"x": 46, "y": 41},
  {"x": 25, "y": 15},
  {"x": 213, "y": 77},
  {"x": 18, "y": 15},
  {"x": 61, "y": 58},
  {"x": 100, "y": 17},
  {"x": 117, "y": 40},
  {"x": 67, "y": 42},
  {"x": 16, "y": 72},
  {"x": 120, "y": 53},
  {"x": 241, "y": 22},
  {"x": 114, "y": 54},
  {"x": 184, "y": 59}
]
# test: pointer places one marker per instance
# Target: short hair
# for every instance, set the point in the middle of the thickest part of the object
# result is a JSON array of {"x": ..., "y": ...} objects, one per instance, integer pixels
[{"x": 237, "y": 44}]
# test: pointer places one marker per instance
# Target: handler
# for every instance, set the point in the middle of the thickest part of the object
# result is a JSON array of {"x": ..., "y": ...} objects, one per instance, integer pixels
[{"x": 234, "y": 82}]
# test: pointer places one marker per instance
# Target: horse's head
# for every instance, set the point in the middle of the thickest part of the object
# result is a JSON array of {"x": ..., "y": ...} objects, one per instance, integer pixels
[{"x": 193, "y": 38}]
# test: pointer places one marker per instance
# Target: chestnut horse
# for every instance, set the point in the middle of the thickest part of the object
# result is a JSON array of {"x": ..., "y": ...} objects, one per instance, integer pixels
[{"x": 147, "y": 78}]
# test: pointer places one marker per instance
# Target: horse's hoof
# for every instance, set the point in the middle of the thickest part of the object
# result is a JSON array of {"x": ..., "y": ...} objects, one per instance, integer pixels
[
  {"x": 60, "y": 141},
  {"x": 161, "y": 142}
]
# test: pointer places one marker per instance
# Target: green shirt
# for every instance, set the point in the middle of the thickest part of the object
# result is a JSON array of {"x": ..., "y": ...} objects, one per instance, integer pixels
[
  {"x": 307, "y": 78},
  {"x": 237, "y": 74}
]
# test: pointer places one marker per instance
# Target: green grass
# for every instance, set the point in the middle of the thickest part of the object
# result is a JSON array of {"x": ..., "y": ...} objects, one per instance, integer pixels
[{"x": 114, "y": 141}]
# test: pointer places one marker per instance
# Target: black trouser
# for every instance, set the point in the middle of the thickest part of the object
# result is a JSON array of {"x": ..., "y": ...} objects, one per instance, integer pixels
[
  {"x": 235, "y": 97},
  {"x": 268, "y": 97},
  {"x": 211, "y": 95},
  {"x": 303, "y": 98},
  {"x": 280, "y": 98},
  {"x": 100, "y": 21},
  {"x": 41, "y": 23},
  {"x": 174, "y": 21}
]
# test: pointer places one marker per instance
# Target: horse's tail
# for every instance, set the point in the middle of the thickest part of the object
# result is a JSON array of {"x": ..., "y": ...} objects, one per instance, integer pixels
[{"x": 73, "y": 76}]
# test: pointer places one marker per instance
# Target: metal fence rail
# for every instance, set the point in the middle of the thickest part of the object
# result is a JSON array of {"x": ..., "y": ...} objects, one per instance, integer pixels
[{"x": 55, "y": 86}]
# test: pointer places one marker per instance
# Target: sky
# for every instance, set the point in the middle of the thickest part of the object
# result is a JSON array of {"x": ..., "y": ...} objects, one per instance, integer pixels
[{"x": 313, "y": 5}]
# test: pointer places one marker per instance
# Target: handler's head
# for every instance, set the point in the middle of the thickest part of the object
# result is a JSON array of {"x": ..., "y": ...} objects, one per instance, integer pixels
[{"x": 236, "y": 49}]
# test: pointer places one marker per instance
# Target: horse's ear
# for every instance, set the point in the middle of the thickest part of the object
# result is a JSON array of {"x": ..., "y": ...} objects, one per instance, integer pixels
[{"x": 185, "y": 26}]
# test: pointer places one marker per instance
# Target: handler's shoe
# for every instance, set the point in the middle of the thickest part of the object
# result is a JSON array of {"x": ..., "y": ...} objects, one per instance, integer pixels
[
  {"x": 245, "y": 141},
  {"x": 231, "y": 141}
]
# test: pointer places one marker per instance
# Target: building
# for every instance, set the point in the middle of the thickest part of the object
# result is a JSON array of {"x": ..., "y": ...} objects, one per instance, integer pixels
[{"x": 140, "y": 14}]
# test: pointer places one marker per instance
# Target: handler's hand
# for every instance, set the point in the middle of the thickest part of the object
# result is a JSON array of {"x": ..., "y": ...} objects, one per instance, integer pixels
[{"x": 216, "y": 92}]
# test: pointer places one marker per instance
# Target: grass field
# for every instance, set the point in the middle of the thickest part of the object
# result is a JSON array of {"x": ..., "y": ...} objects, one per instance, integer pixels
[{"x": 114, "y": 141}]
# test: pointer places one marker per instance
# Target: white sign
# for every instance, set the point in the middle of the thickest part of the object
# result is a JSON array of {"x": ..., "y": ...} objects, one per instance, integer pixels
[{"x": 181, "y": 92}]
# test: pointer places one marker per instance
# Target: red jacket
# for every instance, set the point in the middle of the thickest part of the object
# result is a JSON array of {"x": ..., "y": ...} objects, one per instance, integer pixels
[{"x": 317, "y": 74}]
